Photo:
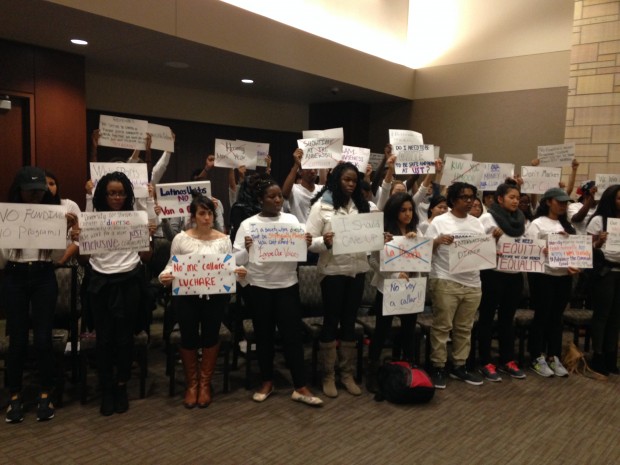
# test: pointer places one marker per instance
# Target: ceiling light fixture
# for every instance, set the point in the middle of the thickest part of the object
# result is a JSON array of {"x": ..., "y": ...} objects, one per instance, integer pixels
[
  {"x": 247, "y": 81},
  {"x": 79, "y": 42}
]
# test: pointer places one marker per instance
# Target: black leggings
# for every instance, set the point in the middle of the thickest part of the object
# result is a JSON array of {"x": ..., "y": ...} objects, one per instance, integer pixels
[
  {"x": 384, "y": 325},
  {"x": 199, "y": 319},
  {"x": 342, "y": 296}
]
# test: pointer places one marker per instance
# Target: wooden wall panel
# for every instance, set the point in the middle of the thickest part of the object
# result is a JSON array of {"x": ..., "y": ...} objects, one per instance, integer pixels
[{"x": 16, "y": 67}]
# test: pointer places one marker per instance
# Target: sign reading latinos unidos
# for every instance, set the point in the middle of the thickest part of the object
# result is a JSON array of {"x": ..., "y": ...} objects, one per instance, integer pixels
[
  {"x": 278, "y": 242},
  {"x": 113, "y": 231},
  {"x": 403, "y": 254},
  {"x": 198, "y": 274},
  {"x": 402, "y": 296},
  {"x": 33, "y": 226},
  {"x": 357, "y": 233},
  {"x": 175, "y": 198}
]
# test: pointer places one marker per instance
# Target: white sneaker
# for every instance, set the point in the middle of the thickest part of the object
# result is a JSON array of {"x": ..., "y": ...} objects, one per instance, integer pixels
[
  {"x": 540, "y": 367},
  {"x": 558, "y": 368}
]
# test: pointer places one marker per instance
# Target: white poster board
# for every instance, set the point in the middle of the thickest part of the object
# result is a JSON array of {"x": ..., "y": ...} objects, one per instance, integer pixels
[
  {"x": 262, "y": 151},
  {"x": 136, "y": 172},
  {"x": 400, "y": 138},
  {"x": 415, "y": 159},
  {"x": 556, "y": 155},
  {"x": 612, "y": 244},
  {"x": 114, "y": 231},
  {"x": 459, "y": 156},
  {"x": 538, "y": 179},
  {"x": 278, "y": 242},
  {"x": 161, "y": 137},
  {"x": 457, "y": 170},
  {"x": 402, "y": 254},
  {"x": 356, "y": 155},
  {"x": 472, "y": 253},
  {"x": 122, "y": 133},
  {"x": 375, "y": 160},
  {"x": 603, "y": 181},
  {"x": 403, "y": 297},
  {"x": 573, "y": 250},
  {"x": 175, "y": 198},
  {"x": 357, "y": 233},
  {"x": 320, "y": 153},
  {"x": 494, "y": 174},
  {"x": 33, "y": 226},
  {"x": 198, "y": 274},
  {"x": 235, "y": 153},
  {"x": 521, "y": 254}
]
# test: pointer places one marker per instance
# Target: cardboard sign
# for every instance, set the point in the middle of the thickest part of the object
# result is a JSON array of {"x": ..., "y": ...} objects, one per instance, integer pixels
[
  {"x": 556, "y": 155},
  {"x": 161, "y": 137},
  {"x": 357, "y": 155},
  {"x": 33, "y": 226},
  {"x": 122, "y": 133},
  {"x": 357, "y": 233},
  {"x": 403, "y": 137},
  {"x": 537, "y": 179},
  {"x": 136, "y": 172},
  {"x": 494, "y": 174},
  {"x": 612, "y": 244},
  {"x": 320, "y": 153},
  {"x": 521, "y": 254},
  {"x": 456, "y": 170},
  {"x": 114, "y": 231},
  {"x": 573, "y": 250},
  {"x": 175, "y": 198},
  {"x": 415, "y": 159},
  {"x": 278, "y": 242},
  {"x": 472, "y": 253},
  {"x": 203, "y": 274},
  {"x": 375, "y": 160},
  {"x": 402, "y": 254},
  {"x": 235, "y": 153},
  {"x": 603, "y": 181},
  {"x": 403, "y": 297}
]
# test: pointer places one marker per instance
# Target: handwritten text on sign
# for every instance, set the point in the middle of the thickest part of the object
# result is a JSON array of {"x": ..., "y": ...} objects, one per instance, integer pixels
[
  {"x": 357, "y": 155},
  {"x": 203, "y": 274},
  {"x": 116, "y": 231},
  {"x": 278, "y": 242},
  {"x": 235, "y": 153},
  {"x": 402, "y": 254},
  {"x": 161, "y": 137},
  {"x": 357, "y": 233},
  {"x": 31, "y": 226},
  {"x": 537, "y": 179},
  {"x": 123, "y": 133},
  {"x": 520, "y": 254},
  {"x": 415, "y": 159},
  {"x": 402, "y": 297},
  {"x": 320, "y": 153},
  {"x": 573, "y": 250},
  {"x": 175, "y": 198},
  {"x": 136, "y": 172},
  {"x": 456, "y": 170},
  {"x": 495, "y": 174},
  {"x": 556, "y": 155},
  {"x": 400, "y": 137},
  {"x": 612, "y": 244},
  {"x": 603, "y": 181},
  {"x": 472, "y": 253}
]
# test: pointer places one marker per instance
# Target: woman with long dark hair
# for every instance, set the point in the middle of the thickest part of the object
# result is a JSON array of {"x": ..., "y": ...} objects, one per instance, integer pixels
[
  {"x": 605, "y": 286},
  {"x": 342, "y": 276}
]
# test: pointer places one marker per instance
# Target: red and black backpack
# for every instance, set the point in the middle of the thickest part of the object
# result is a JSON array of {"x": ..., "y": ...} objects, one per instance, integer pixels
[{"x": 402, "y": 383}]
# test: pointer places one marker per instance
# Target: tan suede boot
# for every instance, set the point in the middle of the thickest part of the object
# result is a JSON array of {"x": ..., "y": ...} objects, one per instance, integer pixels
[
  {"x": 347, "y": 355},
  {"x": 207, "y": 367},
  {"x": 190, "y": 367},
  {"x": 327, "y": 360}
]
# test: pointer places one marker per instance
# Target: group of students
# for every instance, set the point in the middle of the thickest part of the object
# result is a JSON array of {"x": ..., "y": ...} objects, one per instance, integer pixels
[{"x": 116, "y": 288}]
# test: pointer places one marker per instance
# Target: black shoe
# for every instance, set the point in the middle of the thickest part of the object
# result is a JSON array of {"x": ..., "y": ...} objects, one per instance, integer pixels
[
  {"x": 121, "y": 402},
  {"x": 107, "y": 402},
  {"x": 438, "y": 377},
  {"x": 611, "y": 362},
  {"x": 597, "y": 363},
  {"x": 464, "y": 375},
  {"x": 45, "y": 408},
  {"x": 15, "y": 411}
]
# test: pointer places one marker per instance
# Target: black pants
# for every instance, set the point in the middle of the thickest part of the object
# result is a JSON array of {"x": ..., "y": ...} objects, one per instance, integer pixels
[
  {"x": 279, "y": 308},
  {"x": 383, "y": 326},
  {"x": 30, "y": 288},
  {"x": 501, "y": 292},
  {"x": 606, "y": 316},
  {"x": 342, "y": 296},
  {"x": 199, "y": 319},
  {"x": 549, "y": 296}
]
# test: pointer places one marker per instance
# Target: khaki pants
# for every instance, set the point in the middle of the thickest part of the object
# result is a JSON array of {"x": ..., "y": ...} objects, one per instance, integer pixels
[{"x": 454, "y": 309}]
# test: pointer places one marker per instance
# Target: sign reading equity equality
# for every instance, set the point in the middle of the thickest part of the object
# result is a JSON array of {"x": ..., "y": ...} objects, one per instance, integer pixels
[{"x": 175, "y": 198}]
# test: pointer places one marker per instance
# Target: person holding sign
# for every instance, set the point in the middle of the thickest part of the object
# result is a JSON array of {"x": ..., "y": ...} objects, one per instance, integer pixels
[
  {"x": 549, "y": 291},
  {"x": 300, "y": 195},
  {"x": 342, "y": 276},
  {"x": 606, "y": 282},
  {"x": 438, "y": 206},
  {"x": 501, "y": 290},
  {"x": 199, "y": 318},
  {"x": 30, "y": 293},
  {"x": 116, "y": 290},
  {"x": 455, "y": 296},
  {"x": 399, "y": 219},
  {"x": 274, "y": 295}
]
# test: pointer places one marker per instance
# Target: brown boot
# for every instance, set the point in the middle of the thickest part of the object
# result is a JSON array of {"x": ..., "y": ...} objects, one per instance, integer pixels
[
  {"x": 190, "y": 366},
  {"x": 347, "y": 356},
  {"x": 207, "y": 367},
  {"x": 327, "y": 359}
]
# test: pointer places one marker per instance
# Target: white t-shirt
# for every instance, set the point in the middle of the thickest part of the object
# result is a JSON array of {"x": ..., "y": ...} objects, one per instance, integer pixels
[
  {"x": 184, "y": 244},
  {"x": 114, "y": 262},
  {"x": 299, "y": 201},
  {"x": 449, "y": 224},
  {"x": 595, "y": 228},
  {"x": 540, "y": 228},
  {"x": 489, "y": 224},
  {"x": 580, "y": 227}
]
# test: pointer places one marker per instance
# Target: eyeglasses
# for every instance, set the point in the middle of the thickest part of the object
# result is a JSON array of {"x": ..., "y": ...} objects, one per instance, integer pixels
[
  {"x": 466, "y": 198},
  {"x": 117, "y": 195}
]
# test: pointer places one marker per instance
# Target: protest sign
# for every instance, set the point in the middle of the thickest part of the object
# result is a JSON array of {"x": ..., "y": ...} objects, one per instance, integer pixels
[
  {"x": 320, "y": 153},
  {"x": 113, "y": 231},
  {"x": 357, "y": 233},
  {"x": 459, "y": 156},
  {"x": 402, "y": 254},
  {"x": 494, "y": 174},
  {"x": 402, "y": 297},
  {"x": 415, "y": 159},
  {"x": 278, "y": 242},
  {"x": 456, "y": 170},
  {"x": 136, "y": 172},
  {"x": 262, "y": 151},
  {"x": 572, "y": 250},
  {"x": 612, "y": 244},
  {"x": 521, "y": 254},
  {"x": 33, "y": 226},
  {"x": 122, "y": 133},
  {"x": 175, "y": 198},
  {"x": 198, "y": 274},
  {"x": 357, "y": 155},
  {"x": 161, "y": 137},
  {"x": 472, "y": 253},
  {"x": 335, "y": 133},
  {"x": 403, "y": 137},
  {"x": 538, "y": 179},
  {"x": 375, "y": 160},
  {"x": 603, "y": 181},
  {"x": 235, "y": 153},
  {"x": 556, "y": 155}
]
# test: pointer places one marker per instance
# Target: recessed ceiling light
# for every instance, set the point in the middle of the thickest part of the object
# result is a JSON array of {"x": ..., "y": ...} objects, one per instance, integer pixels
[
  {"x": 177, "y": 64},
  {"x": 79, "y": 42},
  {"x": 247, "y": 81}
]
